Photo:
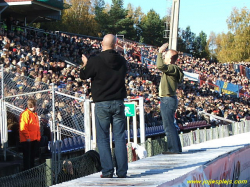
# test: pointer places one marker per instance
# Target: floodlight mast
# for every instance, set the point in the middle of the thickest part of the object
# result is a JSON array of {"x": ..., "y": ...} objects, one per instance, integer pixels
[{"x": 174, "y": 23}]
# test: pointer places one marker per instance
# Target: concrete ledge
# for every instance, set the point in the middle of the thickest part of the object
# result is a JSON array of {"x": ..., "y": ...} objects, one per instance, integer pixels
[{"x": 169, "y": 170}]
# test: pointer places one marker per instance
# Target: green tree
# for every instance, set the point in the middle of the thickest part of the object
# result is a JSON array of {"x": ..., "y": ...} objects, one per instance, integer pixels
[
  {"x": 212, "y": 45},
  {"x": 200, "y": 46},
  {"x": 135, "y": 14},
  {"x": 189, "y": 38},
  {"x": 239, "y": 26},
  {"x": 101, "y": 16},
  {"x": 225, "y": 47},
  {"x": 152, "y": 28},
  {"x": 181, "y": 44},
  {"x": 79, "y": 18},
  {"x": 235, "y": 45},
  {"x": 116, "y": 20}
]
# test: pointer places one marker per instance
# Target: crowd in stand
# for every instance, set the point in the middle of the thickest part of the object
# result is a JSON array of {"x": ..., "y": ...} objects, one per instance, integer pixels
[
  {"x": 41, "y": 57},
  {"x": 204, "y": 97}
]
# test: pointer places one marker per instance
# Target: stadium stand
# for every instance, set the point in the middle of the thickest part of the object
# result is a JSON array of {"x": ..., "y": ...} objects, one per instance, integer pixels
[{"x": 29, "y": 57}]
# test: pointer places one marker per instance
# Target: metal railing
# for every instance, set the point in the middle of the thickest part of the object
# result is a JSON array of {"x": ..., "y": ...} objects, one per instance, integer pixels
[
  {"x": 221, "y": 131},
  {"x": 64, "y": 112},
  {"x": 43, "y": 175}
]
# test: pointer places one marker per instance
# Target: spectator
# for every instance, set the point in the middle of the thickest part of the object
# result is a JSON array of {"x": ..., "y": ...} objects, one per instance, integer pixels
[
  {"x": 38, "y": 54},
  {"x": 29, "y": 134},
  {"x": 107, "y": 72},
  {"x": 172, "y": 75}
]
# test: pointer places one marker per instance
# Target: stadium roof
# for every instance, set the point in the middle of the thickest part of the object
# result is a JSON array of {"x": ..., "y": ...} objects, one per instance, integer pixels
[{"x": 32, "y": 10}]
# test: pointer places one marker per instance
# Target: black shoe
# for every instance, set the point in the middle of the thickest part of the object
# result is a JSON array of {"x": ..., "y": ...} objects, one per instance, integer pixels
[
  {"x": 170, "y": 153},
  {"x": 107, "y": 176},
  {"x": 121, "y": 176}
]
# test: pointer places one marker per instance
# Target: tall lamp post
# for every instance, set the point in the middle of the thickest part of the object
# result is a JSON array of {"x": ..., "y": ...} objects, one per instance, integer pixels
[{"x": 174, "y": 23}]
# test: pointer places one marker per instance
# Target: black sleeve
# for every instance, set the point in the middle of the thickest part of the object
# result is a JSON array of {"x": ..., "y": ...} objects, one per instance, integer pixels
[{"x": 89, "y": 70}]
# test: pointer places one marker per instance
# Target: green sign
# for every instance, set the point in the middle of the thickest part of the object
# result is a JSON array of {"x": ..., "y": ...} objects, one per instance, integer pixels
[{"x": 129, "y": 109}]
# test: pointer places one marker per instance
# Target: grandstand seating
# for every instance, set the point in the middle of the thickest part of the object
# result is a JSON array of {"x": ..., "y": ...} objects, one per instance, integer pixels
[
  {"x": 194, "y": 125},
  {"x": 72, "y": 144},
  {"x": 77, "y": 143},
  {"x": 149, "y": 131}
]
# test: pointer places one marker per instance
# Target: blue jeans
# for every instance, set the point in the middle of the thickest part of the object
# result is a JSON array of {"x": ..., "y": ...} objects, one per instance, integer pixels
[
  {"x": 168, "y": 108},
  {"x": 106, "y": 113}
]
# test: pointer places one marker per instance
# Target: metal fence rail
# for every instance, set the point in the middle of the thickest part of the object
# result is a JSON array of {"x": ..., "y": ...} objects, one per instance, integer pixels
[
  {"x": 65, "y": 113},
  {"x": 69, "y": 111},
  {"x": 156, "y": 146},
  {"x": 221, "y": 131}
]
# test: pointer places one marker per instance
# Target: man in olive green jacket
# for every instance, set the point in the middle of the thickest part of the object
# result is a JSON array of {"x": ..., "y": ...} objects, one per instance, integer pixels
[{"x": 172, "y": 75}]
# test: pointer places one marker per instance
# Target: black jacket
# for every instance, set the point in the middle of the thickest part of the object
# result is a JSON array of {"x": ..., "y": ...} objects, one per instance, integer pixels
[{"x": 107, "y": 72}]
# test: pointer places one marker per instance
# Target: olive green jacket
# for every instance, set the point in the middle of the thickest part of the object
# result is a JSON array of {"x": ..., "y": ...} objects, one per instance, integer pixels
[{"x": 171, "y": 77}]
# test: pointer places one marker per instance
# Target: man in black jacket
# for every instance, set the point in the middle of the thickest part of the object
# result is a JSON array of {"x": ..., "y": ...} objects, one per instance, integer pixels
[{"x": 107, "y": 72}]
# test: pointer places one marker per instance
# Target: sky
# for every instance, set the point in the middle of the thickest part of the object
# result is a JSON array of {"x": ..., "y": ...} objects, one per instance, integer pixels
[{"x": 200, "y": 15}]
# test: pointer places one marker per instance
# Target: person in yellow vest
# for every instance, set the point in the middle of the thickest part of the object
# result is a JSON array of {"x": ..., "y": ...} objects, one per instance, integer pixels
[{"x": 29, "y": 133}]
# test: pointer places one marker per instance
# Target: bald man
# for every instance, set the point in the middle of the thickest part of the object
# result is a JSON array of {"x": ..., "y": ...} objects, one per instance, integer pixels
[
  {"x": 107, "y": 72},
  {"x": 172, "y": 75}
]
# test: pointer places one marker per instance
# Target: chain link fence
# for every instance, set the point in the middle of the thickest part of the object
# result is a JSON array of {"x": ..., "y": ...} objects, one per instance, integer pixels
[
  {"x": 61, "y": 115},
  {"x": 43, "y": 176},
  {"x": 69, "y": 113},
  {"x": 68, "y": 108},
  {"x": 152, "y": 146},
  {"x": 35, "y": 177},
  {"x": 80, "y": 166}
]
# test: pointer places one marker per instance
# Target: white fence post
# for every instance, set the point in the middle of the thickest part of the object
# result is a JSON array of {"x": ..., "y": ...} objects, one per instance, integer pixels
[
  {"x": 234, "y": 128},
  {"x": 181, "y": 139},
  {"x": 4, "y": 129},
  {"x": 198, "y": 135},
  {"x": 135, "y": 127},
  {"x": 53, "y": 114},
  {"x": 1, "y": 128},
  {"x": 87, "y": 125},
  {"x": 211, "y": 133},
  {"x": 94, "y": 144},
  {"x": 142, "y": 122},
  {"x": 128, "y": 129},
  {"x": 1, "y": 108},
  {"x": 192, "y": 138},
  {"x": 55, "y": 146}
]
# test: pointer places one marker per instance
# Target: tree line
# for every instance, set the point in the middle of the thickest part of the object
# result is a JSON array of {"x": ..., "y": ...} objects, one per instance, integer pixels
[
  {"x": 96, "y": 18},
  {"x": 232, "y": 46}
]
